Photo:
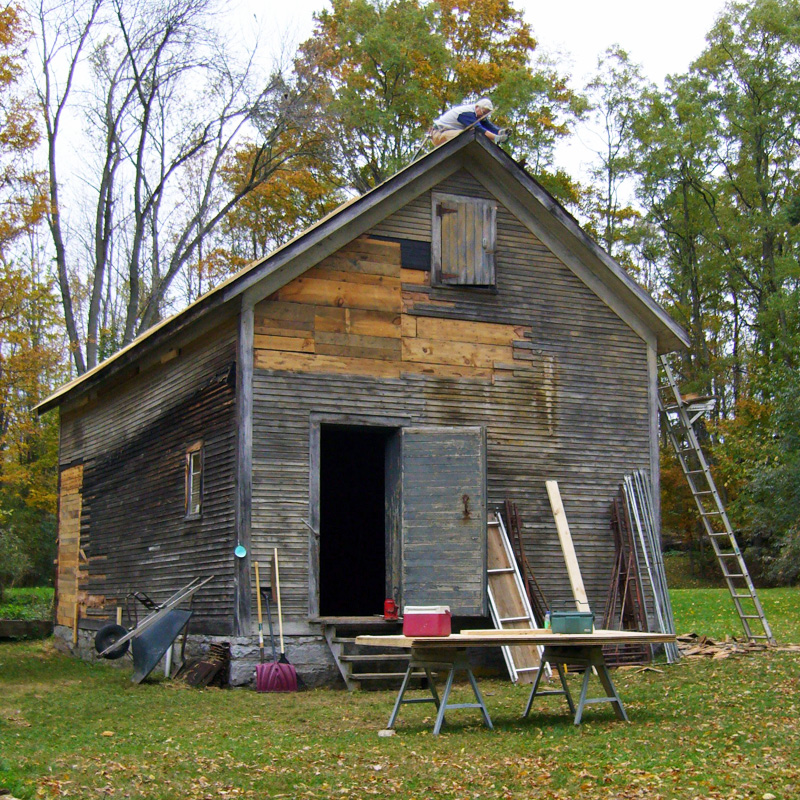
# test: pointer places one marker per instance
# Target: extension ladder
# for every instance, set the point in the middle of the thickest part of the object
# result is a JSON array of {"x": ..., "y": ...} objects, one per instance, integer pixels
[{"x": 679, "y": 417}]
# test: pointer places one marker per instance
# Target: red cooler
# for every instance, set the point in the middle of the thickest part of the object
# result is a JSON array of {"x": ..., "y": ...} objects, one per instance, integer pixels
[{"x": 426, "y": 621}]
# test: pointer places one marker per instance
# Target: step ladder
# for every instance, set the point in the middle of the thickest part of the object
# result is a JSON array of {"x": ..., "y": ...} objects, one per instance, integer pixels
[
  {"x": 679, "y": 416},
  {"x": 508, "y": 602}
]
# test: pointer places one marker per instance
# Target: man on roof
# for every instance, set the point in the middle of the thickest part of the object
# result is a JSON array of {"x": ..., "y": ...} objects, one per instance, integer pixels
[{"x": 459, "y": 118}]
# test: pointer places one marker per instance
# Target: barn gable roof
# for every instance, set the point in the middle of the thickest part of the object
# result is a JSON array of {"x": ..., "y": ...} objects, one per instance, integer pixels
[{"x": 493, "y": 167}]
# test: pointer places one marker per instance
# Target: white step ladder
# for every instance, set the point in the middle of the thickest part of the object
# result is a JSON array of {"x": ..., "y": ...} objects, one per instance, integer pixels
[
  {"x": 679, "y": 417},
  {"x": 509, "y": 604}
]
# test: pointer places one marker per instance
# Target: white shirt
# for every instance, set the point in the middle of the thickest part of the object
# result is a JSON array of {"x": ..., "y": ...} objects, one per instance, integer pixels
[{"x": 449, "y": 120}]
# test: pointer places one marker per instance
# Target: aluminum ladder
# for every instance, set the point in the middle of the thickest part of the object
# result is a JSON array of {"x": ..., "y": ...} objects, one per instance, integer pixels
[{"x": 679, "y": 417}]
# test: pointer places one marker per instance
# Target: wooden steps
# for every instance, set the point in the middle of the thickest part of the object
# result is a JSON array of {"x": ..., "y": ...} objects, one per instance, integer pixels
[{"x": 365, "y": 667}]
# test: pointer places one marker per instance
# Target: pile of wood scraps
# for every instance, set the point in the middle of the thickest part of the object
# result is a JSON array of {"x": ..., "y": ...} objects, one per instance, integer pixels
[
  {"x": 693, "y": 645},
  {"x": 211, "y": 670}
]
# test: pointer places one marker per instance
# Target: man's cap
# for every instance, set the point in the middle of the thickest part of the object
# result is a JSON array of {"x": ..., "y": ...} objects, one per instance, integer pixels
[{"x": 486, "y": 103}]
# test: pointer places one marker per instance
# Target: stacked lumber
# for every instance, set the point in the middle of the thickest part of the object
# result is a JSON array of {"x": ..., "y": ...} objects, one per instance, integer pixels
[{"x": 211, "y": 670}]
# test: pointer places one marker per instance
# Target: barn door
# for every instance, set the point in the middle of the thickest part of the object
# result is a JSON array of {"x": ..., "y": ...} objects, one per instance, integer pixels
[
  {"x": 463, "y": 240},
  {"x": 443, "y": 518}
]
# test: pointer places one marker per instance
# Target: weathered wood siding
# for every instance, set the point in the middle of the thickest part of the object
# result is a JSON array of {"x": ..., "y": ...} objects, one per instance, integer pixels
[
  {"x": 132, "y": 446},
  {"x": 557, "y": 378},
  {"x": 443, "y": 487}
]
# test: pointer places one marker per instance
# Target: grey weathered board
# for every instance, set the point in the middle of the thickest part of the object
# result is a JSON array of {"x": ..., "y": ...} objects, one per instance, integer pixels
[
  {"x": 133, "y": 443},
  {"x": 443, "y": 499}
]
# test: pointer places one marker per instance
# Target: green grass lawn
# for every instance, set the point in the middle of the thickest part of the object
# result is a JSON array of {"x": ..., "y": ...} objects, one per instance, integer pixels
[
  {"x": 711, "y": 612},
  {"x": 700, "y": 729}
]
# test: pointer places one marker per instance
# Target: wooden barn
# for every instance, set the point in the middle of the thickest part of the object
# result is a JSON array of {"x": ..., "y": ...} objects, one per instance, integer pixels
[{"x": 360, "y": 399}]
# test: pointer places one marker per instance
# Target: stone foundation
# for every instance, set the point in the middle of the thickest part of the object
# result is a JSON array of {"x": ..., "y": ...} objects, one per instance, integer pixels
[{"x": 309, "y": 655}]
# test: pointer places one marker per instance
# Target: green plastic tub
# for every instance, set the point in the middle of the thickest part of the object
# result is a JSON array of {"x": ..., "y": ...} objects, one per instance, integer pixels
[{"x": 572, "y": 621}]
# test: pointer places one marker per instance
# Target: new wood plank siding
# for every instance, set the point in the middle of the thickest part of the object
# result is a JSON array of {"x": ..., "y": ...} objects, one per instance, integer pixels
[
  {"x": 131, "y": 444},
  {"x": 69, "y": 543},
  {"x": 559, "y": 381}
]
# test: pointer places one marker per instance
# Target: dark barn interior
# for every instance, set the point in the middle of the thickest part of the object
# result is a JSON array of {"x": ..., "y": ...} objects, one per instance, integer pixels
[{"x": 352, "y": 520}]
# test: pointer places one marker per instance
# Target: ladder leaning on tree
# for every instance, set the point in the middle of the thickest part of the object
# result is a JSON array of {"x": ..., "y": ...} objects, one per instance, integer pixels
[{"x": 679, "y": 416}]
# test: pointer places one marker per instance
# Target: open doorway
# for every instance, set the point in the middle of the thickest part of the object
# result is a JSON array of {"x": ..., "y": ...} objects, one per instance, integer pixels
[{"x": 352, "y": 542}]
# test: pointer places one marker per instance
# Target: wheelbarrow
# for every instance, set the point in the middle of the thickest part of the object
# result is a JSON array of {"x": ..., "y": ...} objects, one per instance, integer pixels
[{"x": 154, "y": 635}]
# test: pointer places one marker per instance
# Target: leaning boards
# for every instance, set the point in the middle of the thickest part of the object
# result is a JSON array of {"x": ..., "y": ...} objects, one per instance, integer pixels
[{"x": 573, "y": 570}]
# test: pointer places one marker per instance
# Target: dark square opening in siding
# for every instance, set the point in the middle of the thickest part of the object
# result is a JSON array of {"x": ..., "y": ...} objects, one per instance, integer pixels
[{"x": 414, "y": 254}]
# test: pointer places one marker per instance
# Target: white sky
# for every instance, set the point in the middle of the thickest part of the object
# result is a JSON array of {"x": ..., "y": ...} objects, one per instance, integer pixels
[{"x": 663, "y": 37}]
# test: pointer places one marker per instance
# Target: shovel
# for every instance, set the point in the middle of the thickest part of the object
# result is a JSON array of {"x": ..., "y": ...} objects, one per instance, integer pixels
[
  {"x": 279, "y": 675},
  {"x": 260, "y": 621}
]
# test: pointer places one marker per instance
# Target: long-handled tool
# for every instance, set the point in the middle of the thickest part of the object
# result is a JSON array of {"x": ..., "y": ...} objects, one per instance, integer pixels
[
  {"x": 284, "y": 662},
  {"x": 277, "y": 676},
  {"x": 260, "y": 618},
  {"x": 159, "y": 611}
]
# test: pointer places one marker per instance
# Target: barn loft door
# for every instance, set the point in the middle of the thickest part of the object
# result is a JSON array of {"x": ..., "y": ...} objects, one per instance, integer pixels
[
  {"x": 443, "y": 519},
  {"x": 464, "y": 240}
]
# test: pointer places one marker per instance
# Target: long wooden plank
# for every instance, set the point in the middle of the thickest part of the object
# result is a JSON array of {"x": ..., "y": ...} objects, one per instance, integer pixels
[
  {"x": 567, "y": 547},
  {"x": 372, "y": 248},
  {"x": 343, "y": 365},
  {"x": 358, "y": 263},
  {"x": 495, "y": 638},
  {"x": 457, "y": 330},
  {"x": 431, "y": 351},
  {"x": 291, "y": 343},
  {"x": 385, "y": 297},
  {"x": 359, "y": 321},
  {"x": 349, "y": 276}
]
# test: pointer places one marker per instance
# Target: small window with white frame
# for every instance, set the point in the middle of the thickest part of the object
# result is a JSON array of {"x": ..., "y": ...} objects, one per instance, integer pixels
[{"x": 194, "y": 481}]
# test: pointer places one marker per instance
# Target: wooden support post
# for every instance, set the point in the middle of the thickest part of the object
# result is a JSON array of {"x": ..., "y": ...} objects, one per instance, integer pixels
[
  {"x": 75, "y": 618},
  {"x": 119, "y": 615}
]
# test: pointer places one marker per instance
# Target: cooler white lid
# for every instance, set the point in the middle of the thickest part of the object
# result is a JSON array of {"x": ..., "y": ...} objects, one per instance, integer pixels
[{"x": 425, "y": 610}]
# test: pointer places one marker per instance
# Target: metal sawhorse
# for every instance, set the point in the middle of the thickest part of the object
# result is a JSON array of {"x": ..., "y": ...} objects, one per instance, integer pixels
[
  {"x": 428, "y": 659},
  {"x": 589, "y": 658}
]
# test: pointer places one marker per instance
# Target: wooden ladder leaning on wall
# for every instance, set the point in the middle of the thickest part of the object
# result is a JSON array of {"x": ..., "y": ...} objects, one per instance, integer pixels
[{"x": 509, "y": 603}]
